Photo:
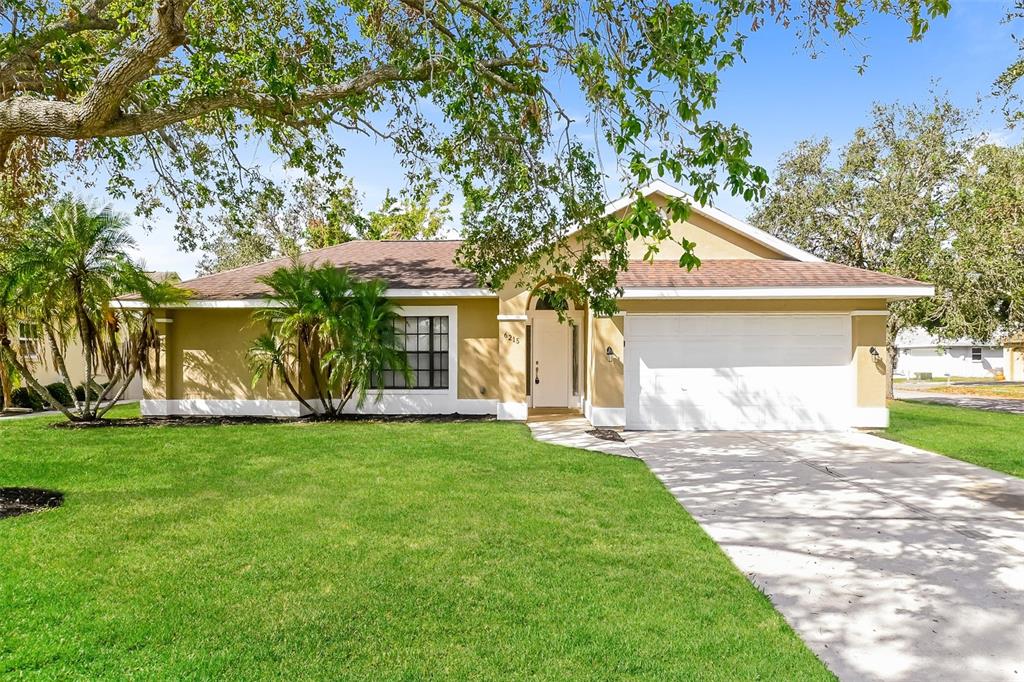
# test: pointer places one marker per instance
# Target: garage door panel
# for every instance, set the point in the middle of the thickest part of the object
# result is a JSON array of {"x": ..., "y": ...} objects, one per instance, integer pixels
[{"x": 738, "y": 372}]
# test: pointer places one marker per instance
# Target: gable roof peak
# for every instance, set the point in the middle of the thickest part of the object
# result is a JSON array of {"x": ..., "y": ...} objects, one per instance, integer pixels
[{"x": 742, "y": 227}]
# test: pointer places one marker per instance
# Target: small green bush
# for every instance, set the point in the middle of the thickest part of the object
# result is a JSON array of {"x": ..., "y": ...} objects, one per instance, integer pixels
[
  {"x": 25, "y": 397},
  {"x": 60, "y": 393},
  {"x": 80, "y": 392}
]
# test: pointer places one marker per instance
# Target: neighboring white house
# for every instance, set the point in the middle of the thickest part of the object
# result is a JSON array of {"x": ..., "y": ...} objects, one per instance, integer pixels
[{"x": 921, "y": 353}]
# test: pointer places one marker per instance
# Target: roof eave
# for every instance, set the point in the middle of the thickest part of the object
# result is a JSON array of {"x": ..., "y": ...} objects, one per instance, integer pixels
[
  {"x": 888, "y": 292},
  {"x": 261, "y": 302}
]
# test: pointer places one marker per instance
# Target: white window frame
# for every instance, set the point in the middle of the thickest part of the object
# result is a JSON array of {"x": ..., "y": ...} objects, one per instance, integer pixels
[
  {"x": 35, "y": 341},
  {"x": 981, "y": 354},
  {"x": 452, "y": 313}
]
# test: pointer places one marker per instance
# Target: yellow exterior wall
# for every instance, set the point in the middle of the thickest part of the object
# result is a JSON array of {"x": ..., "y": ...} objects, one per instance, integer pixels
[
  {"x": 606, "y": 376},
  {"x": 869, "y": 331},
  {"x": 714, "y": 242},
  {"x": 1013, "y": 369},
  {"x": 205, "y": 350},
  {"x": 206, "y": 357},
  {"x": 478, "y": 343}
]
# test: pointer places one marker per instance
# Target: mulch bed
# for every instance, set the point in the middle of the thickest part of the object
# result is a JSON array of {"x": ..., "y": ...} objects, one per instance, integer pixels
[
  {"x": 607, "y": 434},
  {"x": 234, "y": 421},
  {"x": 15, "y": 501}
]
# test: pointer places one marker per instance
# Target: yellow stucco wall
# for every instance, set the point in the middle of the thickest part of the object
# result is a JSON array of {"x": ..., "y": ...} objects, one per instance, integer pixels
[
  {"x": 606, "y": 378},
  {"x": 714, "y": 242},
  {"x": 478, "y": 349},
  {"x": 205, "y": 353},
  {"x": 869, "y": 331},
  {"x": 206, "y": 357}
]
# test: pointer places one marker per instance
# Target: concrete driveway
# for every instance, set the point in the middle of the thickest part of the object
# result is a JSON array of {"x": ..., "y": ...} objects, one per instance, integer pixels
[{"x": 890, "y": 562}]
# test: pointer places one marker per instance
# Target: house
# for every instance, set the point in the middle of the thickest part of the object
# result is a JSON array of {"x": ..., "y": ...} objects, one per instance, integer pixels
[
  {"x": 921, "y": 353},
  {"x": 35, "y": 352},
  {"x": 1013, "y": 358},
  {"x": 762, "y": 336}
]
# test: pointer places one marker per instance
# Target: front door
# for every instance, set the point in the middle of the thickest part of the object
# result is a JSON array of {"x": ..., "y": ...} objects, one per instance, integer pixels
[{"x": 550, "y": 373}]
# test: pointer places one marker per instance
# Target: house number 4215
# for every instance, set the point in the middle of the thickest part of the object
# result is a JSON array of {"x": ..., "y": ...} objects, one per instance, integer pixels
[{"x": 510, "y": 338}]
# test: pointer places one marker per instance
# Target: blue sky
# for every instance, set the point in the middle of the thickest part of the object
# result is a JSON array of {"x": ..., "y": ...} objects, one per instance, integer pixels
[{"x": 780, "y": 95}]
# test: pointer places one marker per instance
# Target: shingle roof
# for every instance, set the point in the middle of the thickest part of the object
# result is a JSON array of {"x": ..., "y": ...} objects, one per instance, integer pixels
[
  {"x": 430, "y": 265},
  {"x": 402, "y": 264},
  {"x": 755, "y": 273}
]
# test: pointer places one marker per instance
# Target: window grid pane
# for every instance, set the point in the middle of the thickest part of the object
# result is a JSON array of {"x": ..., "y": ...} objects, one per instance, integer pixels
[{"x": 425, "y": 340}]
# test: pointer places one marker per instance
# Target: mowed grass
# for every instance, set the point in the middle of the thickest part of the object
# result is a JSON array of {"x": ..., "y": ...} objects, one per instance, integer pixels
[
  {"x": 370, "y": 551},
  {"x": 989, "y": 439},
  {"x": 993, "y": 390}
]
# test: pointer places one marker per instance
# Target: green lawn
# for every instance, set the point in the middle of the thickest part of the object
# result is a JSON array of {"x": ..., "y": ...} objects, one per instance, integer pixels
[
  {"x": 988, "y": 439},
  {"x": 358, "y": 550}
]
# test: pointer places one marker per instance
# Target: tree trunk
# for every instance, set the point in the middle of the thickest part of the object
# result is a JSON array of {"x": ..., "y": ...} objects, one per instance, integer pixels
[
  {"x": 5, "y": 383},
  {"x": 62, "y": 370},
  {"x": 5, "y": 351},
  {"x": 890, "y": 368}
]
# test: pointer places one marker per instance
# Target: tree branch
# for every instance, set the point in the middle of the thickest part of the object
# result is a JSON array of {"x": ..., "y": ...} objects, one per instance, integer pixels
[{"x": 25, "y": 115}]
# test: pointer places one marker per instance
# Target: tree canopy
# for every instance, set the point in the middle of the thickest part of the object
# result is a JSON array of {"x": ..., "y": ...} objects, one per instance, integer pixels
[
  {"x": 917, "y": 195},
  {"x": 309, "y": 214},
  {"x": 175, "y": 91}
]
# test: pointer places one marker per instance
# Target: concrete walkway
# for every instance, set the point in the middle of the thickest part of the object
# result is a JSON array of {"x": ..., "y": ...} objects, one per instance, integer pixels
[
  {"x": 1012, "y": 405},
  {"x": 892, "y": 563}
]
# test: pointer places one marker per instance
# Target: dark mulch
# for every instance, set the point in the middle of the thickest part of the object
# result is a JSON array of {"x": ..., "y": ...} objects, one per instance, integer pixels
[
  {"x": 233, "y": 421},
  {"x": 15, "y": 501},
  {"x": 606, "y": 434}
]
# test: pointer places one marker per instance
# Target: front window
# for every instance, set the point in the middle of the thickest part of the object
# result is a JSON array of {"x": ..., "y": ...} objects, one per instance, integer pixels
[
  {"x": 976, "y": 354},
  {"x": 28, "y": 339},
  {"x": 426, "y": 346}
]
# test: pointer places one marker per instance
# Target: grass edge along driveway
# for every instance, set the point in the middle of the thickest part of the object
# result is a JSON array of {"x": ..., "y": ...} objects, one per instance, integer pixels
[
  {"x": 988, "y": 439},
  {"x": 362, "y": 550}
]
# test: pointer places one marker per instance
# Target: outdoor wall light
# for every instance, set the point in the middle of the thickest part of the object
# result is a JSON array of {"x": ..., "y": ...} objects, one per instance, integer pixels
[
  {"x": 874, "y": 352},
  {"x": 609, "y": 353}
]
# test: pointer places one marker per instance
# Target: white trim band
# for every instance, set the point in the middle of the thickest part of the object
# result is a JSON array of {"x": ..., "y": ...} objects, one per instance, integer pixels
[
  {"x": 869, "y": 417},
  {"x": 867, "y": 313},
  {"x": 512, "y": 318},
  {"x": 607, "y": 416},
  {"x": 264, "y": 303},
  {"x": 888, "y": 292},
  {"x": 513, "y": 411},
  {"x": 399, "y": 404}
]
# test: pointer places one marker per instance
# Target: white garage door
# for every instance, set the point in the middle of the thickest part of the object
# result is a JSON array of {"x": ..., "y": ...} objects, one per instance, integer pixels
[{"x": 738, "y": 372}]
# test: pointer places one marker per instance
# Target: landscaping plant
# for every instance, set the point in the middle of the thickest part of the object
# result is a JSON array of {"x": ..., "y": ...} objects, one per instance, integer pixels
[
  {"x": 63, "y": 275},
  {"x": 329, "y": 330}
]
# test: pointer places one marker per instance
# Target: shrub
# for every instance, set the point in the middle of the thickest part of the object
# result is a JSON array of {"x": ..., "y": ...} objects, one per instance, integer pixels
[
  {"x": 60, "y": 393},
  {"x": 80, "y": 392},
  {"x": 25, "y": 397}
]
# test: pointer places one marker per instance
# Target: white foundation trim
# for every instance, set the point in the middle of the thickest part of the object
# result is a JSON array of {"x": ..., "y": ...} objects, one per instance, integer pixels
[
  {"x": 512, "y": 318},
  {"x": 513, "y": 411},
  {"x": 888, "y": 292},
  {"x": 607, "y": 416},
  {"x": 863, "y": 313},
  {"x": 406, "y": 404},
  {"x": 221, "y": 408},
  {"x": 869, "y": 417}
]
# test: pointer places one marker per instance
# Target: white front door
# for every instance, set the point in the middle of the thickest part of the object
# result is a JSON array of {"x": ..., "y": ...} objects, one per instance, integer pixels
[
  {"x": 738, "y": 372},
  {"x": 550, "y": 374}
]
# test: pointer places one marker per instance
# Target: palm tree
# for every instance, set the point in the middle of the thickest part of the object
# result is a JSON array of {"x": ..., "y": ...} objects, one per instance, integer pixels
[
  {"x": 72, "y": 263},
  {"x": 339, "y": 330}
]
